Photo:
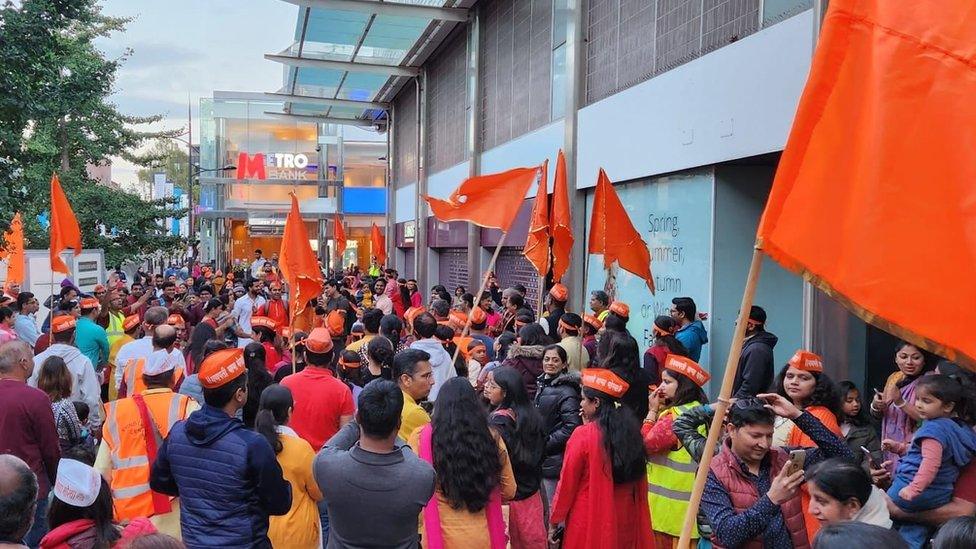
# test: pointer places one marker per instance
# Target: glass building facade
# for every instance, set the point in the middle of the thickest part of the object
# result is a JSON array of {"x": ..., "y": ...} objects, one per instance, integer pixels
[{"x": 253, "y": 161}]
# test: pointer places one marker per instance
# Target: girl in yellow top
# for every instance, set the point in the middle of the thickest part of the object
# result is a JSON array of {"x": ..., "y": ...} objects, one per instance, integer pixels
[{"x": 301, "y": 527}]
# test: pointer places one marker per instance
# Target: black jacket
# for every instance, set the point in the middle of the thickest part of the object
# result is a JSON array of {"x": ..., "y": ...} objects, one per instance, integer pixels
[
  {"x": 527, "y": 468},
  {"x": 558, "y": 402},
  {"x": 527, "y": 360},
  {"x": 755, "y": 372}
]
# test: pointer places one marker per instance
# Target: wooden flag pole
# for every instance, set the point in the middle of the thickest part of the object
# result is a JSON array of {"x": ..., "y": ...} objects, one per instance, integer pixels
[
  {"x": 731, "y": 365},
  {"x": 481, "y": 290}
]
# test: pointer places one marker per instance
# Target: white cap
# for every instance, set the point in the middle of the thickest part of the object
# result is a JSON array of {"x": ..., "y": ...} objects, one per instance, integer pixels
[
  {"x": 77, "y": 484},
  {"x": 160, "y": 362}
]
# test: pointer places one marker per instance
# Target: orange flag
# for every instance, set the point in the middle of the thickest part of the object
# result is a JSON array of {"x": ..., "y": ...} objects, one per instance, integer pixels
[
  {"x": 486, "y": 200},
  {"x": 874, "y": 200},
  {"x": 299, "y": 266},
  {"x": 613, "y": 235},
  {"x": 537, "y": 242},
  {"x": 378, "y": 242},
  {"x": 65, "y": 232},
  {"x": 561, "y": 224},
  {"x": 13, "y": 250},
  {"x": 339, "y": 235}
]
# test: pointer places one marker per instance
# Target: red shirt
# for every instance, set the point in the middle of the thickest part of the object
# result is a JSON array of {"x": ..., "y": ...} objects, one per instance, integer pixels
[
  {"x": 966, "y": 484},
  {"x": 320, "y": 400},
  {"x": 27, "y": 430}
]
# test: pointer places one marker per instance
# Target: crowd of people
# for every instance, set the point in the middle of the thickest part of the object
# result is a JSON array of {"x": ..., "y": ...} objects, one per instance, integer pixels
[{"x": 194, "y": 408}]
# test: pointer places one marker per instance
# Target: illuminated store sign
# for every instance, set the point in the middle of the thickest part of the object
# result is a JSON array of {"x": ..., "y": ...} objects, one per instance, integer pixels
[{"x": 273, "y": 166}]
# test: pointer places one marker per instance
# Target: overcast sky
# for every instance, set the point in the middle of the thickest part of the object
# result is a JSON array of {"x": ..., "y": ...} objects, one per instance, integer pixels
[{"x": 189, "y": 48}]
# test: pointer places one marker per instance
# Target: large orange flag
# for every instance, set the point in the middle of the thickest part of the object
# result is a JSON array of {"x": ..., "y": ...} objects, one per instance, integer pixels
[
  {"x": 486, "y": 200},
  {"x": 65, "y": 232},
  {"x": 561, "y": 224},
  {"x": 299, "y": 266},
  {"x": 339, "y": 235},
  {"x": 537, "y": 242},
  {"x": 613, "y": 235},
  {"x": 874, "y": 200},
  {"x": 13, "y": 250},
  {"x": 378, "y": 242}
]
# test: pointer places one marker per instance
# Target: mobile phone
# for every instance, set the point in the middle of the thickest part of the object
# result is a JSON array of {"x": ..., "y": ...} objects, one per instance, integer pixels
[
  {"x": 877, "y": 391},
  {"x": 797, "y": 459},
  {"x": 874, "y": 463}
]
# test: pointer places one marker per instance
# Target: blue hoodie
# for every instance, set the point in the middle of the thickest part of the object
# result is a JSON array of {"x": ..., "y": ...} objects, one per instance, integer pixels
[
  {"x": 227, "y": 478},
  {"x": 693, "y": 336},
  {"x": 958, "y": 442}
]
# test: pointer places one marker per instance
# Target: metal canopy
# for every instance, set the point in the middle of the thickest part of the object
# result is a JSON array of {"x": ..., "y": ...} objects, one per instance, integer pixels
[{"x": 351, "y": 56}]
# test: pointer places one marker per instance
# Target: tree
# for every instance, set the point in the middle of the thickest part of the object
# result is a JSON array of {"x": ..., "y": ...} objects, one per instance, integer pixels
[
  {"x": 172, "y": 162},
  {"x": 55, "y": 116}
]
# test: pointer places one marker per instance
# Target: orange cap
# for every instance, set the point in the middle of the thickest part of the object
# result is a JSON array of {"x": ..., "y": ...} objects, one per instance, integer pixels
[
  {"x": 478, "y": 315},
  {"x": 806, "y": 361},
  {"x": 221, "y": 367},
  {"x": 458, "y": 318},
  {"x": 347, "y": 364},
  {"x": 593, "y": 321},
  {"x": 412, "y": 313},
  {"x": 688, "y": 368},
  {"x": 605, "y": 381},
  {"x": 620, "y": 309},
  {"x": 175, "y": 320},
  {"x": 319, "y": 341},
  {"x": 98, "y": 288},
  {"x": 285, "y": 332},
  {"x": 559, "y": 292},
  {"x": 130, "y": 323},
  {"x": 62, "y": 323},
  {"x": 263, "y": 322},
  {"x": 89, "y": 303}
]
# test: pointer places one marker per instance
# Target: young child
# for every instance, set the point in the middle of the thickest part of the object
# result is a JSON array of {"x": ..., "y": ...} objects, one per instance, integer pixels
[
  {"x": 477, "y": 358},
  {"x": 856, "y": 424},
  {"x": 942, "y": 446},
  {"x": 85, "y": 440}
]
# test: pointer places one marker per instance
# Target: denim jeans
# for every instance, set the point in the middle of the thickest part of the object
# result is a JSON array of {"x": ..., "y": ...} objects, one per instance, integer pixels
[
  {"x": 324, "y": 518},
  {"x": 39, "y": 528}
]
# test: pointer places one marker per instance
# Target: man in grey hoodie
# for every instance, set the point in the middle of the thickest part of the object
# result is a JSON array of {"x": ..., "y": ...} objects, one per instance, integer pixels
[
  {"x": 440, "y": 361},
  {"x": 364, "y": 471},
  {"x": 692, "y": 332},
  {"x": 85, "y": 386}
]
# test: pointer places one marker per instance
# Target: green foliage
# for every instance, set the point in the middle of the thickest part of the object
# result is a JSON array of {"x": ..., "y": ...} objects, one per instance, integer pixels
[{"x": 55, "y": 116}]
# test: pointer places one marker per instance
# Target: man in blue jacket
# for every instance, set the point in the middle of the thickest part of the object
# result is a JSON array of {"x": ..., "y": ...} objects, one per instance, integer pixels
[
  {"x": 692, "y": 332},
  {"x": 227, "y": 477}
]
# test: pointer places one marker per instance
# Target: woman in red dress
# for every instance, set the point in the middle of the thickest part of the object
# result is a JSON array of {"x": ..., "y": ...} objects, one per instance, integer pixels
[{"x": 602, "y": 501}]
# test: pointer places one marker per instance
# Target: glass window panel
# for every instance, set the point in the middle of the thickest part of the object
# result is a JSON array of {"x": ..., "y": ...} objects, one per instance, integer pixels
[
  {"x": 775, "y": 11},
  {"x": 558, "y": 103}
]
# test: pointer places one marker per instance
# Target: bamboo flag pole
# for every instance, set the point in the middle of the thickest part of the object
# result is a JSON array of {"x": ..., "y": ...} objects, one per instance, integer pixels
[
  {"x": 481, "y": 290},
  {"x": 731, "y": 365}
]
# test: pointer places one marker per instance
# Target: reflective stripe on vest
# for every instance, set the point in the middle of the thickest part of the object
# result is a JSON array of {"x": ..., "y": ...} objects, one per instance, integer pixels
[
  {"x": 670, "y": 478},
  {"x": 125, "y": 438},
  {"x": 134, "y": 383},
  {"x": 114, "y": 330}
]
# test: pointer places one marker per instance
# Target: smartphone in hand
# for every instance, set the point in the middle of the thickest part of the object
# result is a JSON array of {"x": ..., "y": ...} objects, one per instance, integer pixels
[{"x": 797, "y": 459}]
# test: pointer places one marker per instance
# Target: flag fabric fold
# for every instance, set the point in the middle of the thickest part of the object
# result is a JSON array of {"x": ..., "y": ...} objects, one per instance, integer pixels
[
  {"x": 339, "y": 235},
  {"x": 536, "y": 248},
  {"x": 874, "y": 200},
  {"x": 299, "y": 266},
  {"x": 65, "y": 232},
  {"x": 13, "y": 250},
  {"x": 491, "y": 201},
  {"x": 378, "y": 242},
  {"x": 613, "y": 234},
  {"x": 561, "y": 221}
]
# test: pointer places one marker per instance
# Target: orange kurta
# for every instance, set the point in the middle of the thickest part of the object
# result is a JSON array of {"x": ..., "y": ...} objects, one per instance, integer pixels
[{"x": 799, "y": 438}]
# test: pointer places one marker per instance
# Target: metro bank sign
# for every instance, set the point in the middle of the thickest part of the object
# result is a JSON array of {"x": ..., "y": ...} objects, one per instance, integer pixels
[{"x": 272, "y": 166}]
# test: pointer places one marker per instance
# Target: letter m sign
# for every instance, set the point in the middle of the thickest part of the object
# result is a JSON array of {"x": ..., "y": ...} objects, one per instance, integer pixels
[{"x": 251, "y": 167}]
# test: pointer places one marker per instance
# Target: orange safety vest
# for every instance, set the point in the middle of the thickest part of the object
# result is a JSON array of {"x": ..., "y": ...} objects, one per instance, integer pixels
[
  {"x": 132, "y": 375},
  {"x": 125, "y": 435}
]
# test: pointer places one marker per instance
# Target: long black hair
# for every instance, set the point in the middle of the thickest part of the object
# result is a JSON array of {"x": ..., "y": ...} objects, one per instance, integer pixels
[
  {"x": 276, "y": 400},
  {"x": 669, "y": 325},
  {"x": 825, "y": 393},
  {"x": 465, "y": 452},
  {"x": 687, "y": 391},
  {"x": 100, "y": 512},
  {"x": 505, "y": 341},
  {"x": 390, "y": 327},
  {"x": 528, "y": 442},
  {"x": 533, "y": 334},
  {"x": 621, "y": 438}
]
